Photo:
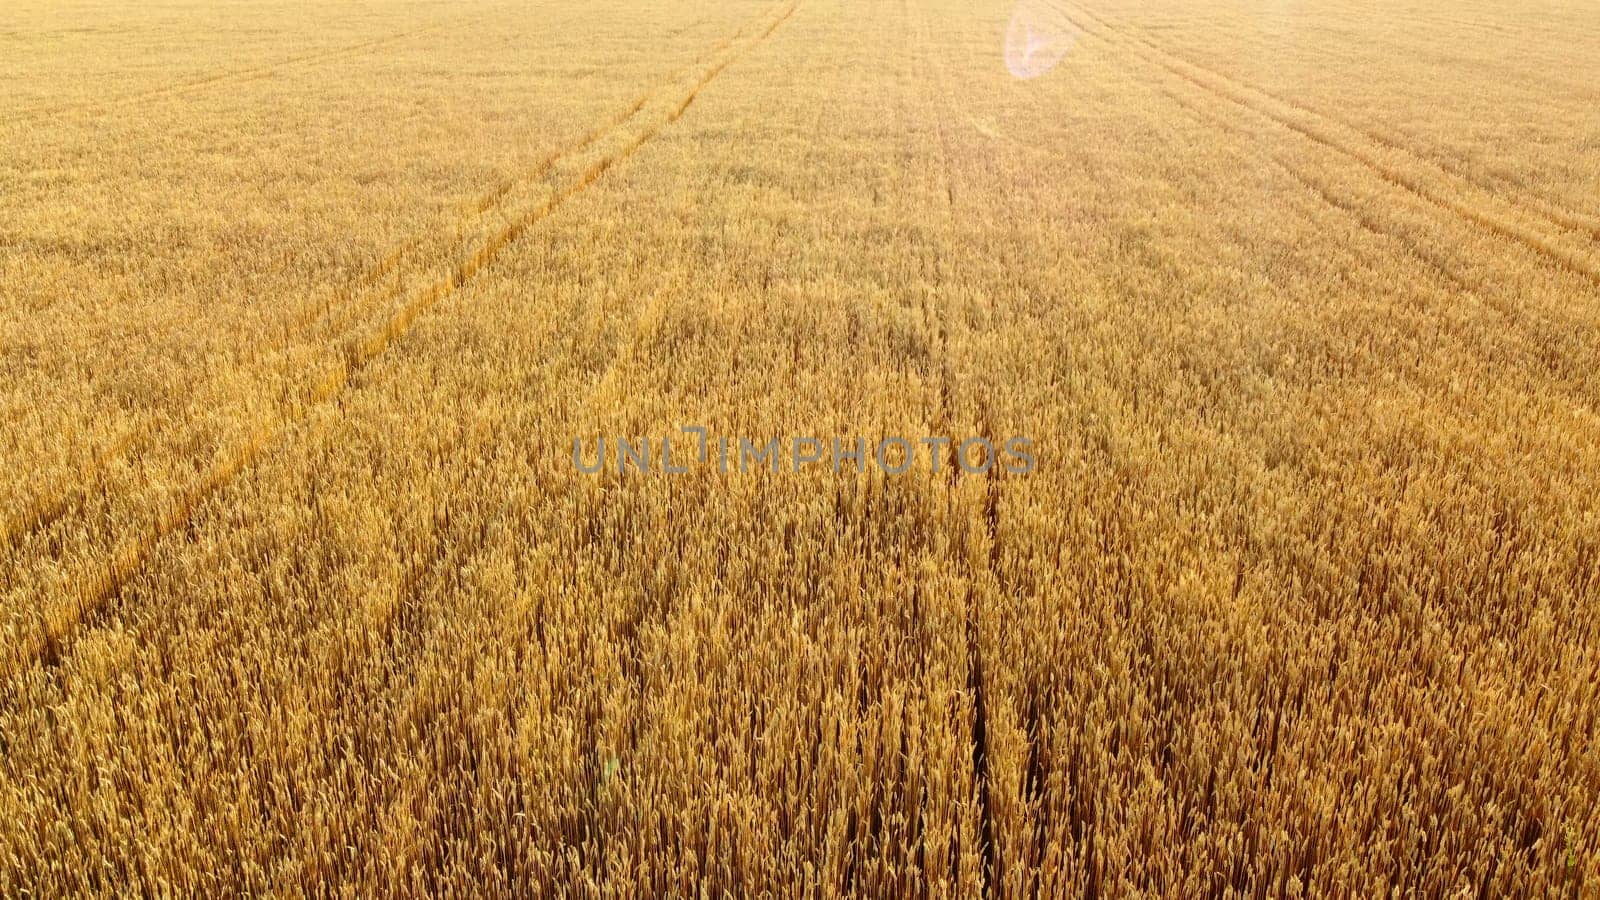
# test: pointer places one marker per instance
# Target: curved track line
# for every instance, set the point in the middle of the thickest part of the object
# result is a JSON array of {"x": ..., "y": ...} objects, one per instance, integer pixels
[
  {"x": 93, "y": 589},
  {"x": 1551, "y": 211},
  {"x": 1225, "y": 89},
  {"x": 341, "y": 306}
]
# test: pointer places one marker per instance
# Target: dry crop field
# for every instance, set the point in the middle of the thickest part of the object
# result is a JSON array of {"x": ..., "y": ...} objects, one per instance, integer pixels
[{"x": 303, "y": 306}]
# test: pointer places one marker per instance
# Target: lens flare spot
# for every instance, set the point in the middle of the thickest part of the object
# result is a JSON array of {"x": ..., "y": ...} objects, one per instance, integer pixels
[{"x": 1037, "y": 39}]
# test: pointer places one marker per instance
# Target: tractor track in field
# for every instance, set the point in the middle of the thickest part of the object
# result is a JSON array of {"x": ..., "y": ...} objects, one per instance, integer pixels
[
  {"x": 1412, "y": 16},
  {"x": 1448, "y": 274},
  {"x": 382, "y": 283},
  {"x": 1326, "y": 197},
  {"x": 525, "y": 620},
  {"x": 1324, "y": 131},
  {"x": 978, "y": 681},
  {"x": 1552, "y": 211},
  {"x": 90, "y": 590}
]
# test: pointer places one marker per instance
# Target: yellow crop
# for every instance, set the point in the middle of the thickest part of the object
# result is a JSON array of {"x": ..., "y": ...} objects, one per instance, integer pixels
[{"x": 1293, "y": 307}]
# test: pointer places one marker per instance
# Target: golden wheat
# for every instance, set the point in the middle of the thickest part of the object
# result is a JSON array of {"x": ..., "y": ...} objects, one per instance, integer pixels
[{"x": 302, "y": 310}]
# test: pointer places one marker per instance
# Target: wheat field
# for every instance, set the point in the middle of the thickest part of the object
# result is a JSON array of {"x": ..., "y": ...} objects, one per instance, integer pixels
[{"x": 304, "y": 306}]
